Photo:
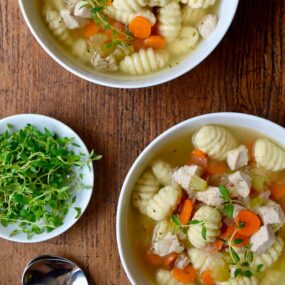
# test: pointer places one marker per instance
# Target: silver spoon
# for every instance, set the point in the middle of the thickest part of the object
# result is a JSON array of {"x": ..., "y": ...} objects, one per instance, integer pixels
[{"x": 53, "y": 270}]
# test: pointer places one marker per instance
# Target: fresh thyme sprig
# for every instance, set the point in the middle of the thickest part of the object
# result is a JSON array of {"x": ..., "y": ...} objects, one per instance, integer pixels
[{"x": 97, "y": 8}]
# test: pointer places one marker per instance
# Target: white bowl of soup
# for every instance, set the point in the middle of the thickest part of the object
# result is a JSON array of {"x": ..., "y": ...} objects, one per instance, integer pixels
[
  {"x": 204, "y": 204},
  {"x": 128, "y": 43}
]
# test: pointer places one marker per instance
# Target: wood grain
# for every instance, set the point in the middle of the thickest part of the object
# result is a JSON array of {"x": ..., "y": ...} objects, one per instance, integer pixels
[{"x": 246, "y": 73}]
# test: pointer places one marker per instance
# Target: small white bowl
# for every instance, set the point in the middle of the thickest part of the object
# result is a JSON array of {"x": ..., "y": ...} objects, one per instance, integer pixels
[
  {"x": 32, "y": 16},
  {"x": 268, "y": 128},
  {"x": 82, "y": 196}
]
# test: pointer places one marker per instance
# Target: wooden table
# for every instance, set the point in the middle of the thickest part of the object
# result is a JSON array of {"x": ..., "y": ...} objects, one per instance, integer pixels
[{"x": 246, "y": 73}]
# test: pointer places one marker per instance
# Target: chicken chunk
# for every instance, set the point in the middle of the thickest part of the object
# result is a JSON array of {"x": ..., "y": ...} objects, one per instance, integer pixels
[
  {"x": 207, "y": 25},
  {"x": 183, "y": 175},
  {"x": 80, "y": 10},
  {"x": 71, "y": 21},
  {"x": 211, "y": 196},
  {"x": 241, "y": 182},
  {"x": 182, "y": 261},
  {"x": 262, "y": 239},
  {"x": 271, "y": 214},
  {"x": 167, "y": 245},
  {"x": 238, "y": 157},
  {"x": 104, "y": 64}
]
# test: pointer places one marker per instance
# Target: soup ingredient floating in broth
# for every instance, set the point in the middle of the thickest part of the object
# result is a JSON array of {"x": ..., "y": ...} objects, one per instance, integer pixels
[
  {"x": 39, "y": 177},
  {"x": 219, "y": 217},
  {"x": 135, "y": 37}
]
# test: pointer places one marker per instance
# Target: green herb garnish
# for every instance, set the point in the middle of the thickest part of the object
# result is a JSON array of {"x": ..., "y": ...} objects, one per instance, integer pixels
[{"x": 38, "y": 179}]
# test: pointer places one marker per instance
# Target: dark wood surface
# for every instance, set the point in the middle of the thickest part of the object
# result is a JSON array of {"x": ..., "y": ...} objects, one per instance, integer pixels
[{"x": 246, "y": 73}]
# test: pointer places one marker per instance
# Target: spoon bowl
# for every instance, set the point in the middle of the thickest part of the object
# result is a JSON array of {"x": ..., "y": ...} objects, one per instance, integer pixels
[{"x": 53, "y": 270}]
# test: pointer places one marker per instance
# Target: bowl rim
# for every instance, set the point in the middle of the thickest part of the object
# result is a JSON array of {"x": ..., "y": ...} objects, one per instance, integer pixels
[
  {"x": 83, "y": 148},
  {"x": 162, "y": 136},
  {"x": 116, "y": 83}
]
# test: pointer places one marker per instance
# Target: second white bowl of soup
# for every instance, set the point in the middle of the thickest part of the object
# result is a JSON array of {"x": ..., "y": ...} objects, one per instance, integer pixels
[
  {"x": 204, "y": 204},
  {"x": 128, "y": 43}
]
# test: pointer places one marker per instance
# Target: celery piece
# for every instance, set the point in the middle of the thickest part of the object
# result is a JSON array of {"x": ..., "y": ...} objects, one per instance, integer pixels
[
  {"x": 256, "y": 202},
  {"x": 198, "y": 183},
  {"x": 258, "y": 182}
]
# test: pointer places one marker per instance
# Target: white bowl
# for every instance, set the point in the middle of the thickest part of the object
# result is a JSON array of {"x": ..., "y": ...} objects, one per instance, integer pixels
[
  {"x": 34, "y": 20},
  {"x": 82, "y": 196},
  {"x": 269, "y": 129}
]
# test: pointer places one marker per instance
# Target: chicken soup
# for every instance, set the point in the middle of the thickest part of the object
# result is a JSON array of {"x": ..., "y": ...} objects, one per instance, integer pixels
[{"x": 209, "y": 210}]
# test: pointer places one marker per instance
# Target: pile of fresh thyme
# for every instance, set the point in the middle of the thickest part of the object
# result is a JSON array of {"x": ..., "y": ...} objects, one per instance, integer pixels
[{"x": 38, "y": 179}]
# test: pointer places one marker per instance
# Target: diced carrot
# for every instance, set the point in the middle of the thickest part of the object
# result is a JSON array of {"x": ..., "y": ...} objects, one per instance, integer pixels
[
  {"x": 216, "y": 246},
  {"x": 186, "y": 275},
  {"x": 169, "y": 260},
  {"x": 137, "y": 44},
  {"x": 90, "y": 30},
  {"x": 247, "y": 223},
  {"x": 155, "y": 42},
  {"x": 186, "y": 212},
  {"x": 198, "y": 158},
  {"x": 199, "y": 153},
  {"x": 217, "y": 169},
  {"x": 140, "y": 27},
  {"x": 243, "y": 240},
  {"x": 249, "y": 145},
  {"x": 109, "y": 3},
  {"x": 277, "y": 190},
  {"x": 117, "y": 30},
  {"x": 207, "y": 278},
  {"x": 154, "y": 259}
]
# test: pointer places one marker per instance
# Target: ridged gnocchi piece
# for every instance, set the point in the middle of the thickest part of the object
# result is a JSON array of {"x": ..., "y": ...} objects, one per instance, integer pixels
[
  {"x": 211, "y": 219},
  {"x": 81, "y": 51},
  {"x": 216, "y": 141},
  {"x": 241, "y": 280},
  {"x": 199, "y": 3},
  {"x": 186, "y": 40},
  {"x": 162, "y": 171},
  {"x": 164, "y": 202},
  {"x": 146, "y": 187},
  {"x": 160, "y": 230},
  {"x": 164, "y": 277},
  {"x": 169, "y": 21},
  {"x": 203, "y": 260},
  {"x": 129, "y": 5},
  {"x": 56, "y": 25},
  {"x": 270, "y": 256},
  {"x": 144, "y": 61},
  {"x": 192, "y": 17},
  {"x": 126, "y": 17},
  {"x": 268, "y": 155}
]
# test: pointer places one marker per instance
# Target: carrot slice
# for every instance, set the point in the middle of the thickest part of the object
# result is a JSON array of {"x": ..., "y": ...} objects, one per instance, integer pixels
[
  {"x": 187, "y": 275},
  {"x": 154, "y": 259},
  {"x": 217, "y": 169},
  {"x": 215, "y": 246},
  {"x": 140, "y": 27},
  {"x": 207, "y": 278},
  {"x": 138, "y": 44},
  {"x": 277, "y": 190},
  {"x": 199, "y": 158},
  {"x": 170, "y": 259},
  {"x": 247, "y": 222},
  {"x": 199, "y": 153},
  {"x": 155, "y": 42},
  {"x": 238, "y": 240},
  {"x": 90, "y": 30},
  {"x": 186, "y": 212}
]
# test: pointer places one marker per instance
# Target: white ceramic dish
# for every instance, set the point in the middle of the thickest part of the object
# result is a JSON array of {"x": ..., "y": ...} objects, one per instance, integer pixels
[
  {"x": 82, "y": 197},
  {"x": 34, "y": 20},
  {"x": 263, "y": 126}
]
